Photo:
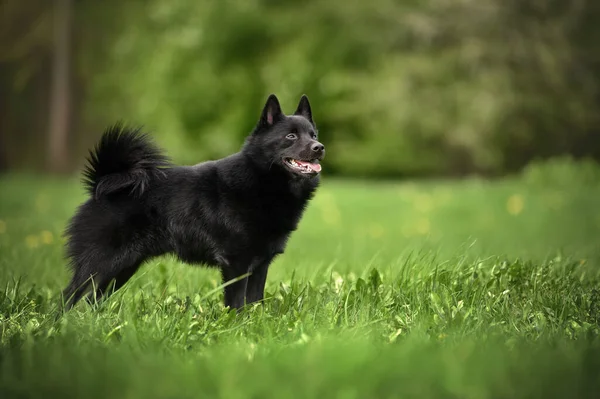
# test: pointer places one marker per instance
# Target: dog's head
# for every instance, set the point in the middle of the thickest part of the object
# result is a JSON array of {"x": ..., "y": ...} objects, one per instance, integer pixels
[{"x": 287, "y": 142}]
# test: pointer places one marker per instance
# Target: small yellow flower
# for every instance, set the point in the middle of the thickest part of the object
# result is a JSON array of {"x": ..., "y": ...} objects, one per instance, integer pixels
[
  {"x": 32, "y": 241},
  {"x": 47, "y": 237},
  {"x": 376, "y": 231},
  {"x": 423, "y": 226},
  {"x": 423, "y": 203},
  {"x": 515, "y": 204},
  {"x": 2, "y": 227}
]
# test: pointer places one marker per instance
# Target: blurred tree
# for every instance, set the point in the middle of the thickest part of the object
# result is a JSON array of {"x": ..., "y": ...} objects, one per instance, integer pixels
[
  {"x": 60, "y": 99},
  {"x": 25, "y": 47}
]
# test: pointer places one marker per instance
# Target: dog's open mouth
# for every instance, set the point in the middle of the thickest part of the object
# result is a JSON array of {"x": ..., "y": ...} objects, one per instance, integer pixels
[{"x": 308, "y": 167}]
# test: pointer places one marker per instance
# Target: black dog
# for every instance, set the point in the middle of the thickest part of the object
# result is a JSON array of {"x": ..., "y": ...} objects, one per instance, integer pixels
[{"x": 235, "y": 213}]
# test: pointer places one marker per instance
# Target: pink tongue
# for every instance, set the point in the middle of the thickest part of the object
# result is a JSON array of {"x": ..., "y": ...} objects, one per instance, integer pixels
[{"x": 314, "y": 166}]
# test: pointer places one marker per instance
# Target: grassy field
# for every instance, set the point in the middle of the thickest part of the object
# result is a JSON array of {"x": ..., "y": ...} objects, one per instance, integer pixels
[{"x": 466, "y": 289}]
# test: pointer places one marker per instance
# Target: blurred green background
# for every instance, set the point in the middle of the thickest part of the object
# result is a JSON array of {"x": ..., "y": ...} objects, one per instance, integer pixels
[
  {"x": 398, "y": 87},
  {"x": 481, "y": 281}
]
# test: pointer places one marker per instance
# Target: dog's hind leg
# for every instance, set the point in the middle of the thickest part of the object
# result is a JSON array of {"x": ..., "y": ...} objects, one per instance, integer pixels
[
  {"x": 105, "y": 289},
  {"x": 78, "y": 286},
  {"x": 98, "y": 274},
  {"x": 119, "y": 270}
]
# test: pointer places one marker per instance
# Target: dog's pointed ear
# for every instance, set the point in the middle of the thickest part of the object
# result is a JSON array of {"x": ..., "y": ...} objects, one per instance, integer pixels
[
  {"x": 271, "y": 112},
  {"x": 304, "y": 109}
]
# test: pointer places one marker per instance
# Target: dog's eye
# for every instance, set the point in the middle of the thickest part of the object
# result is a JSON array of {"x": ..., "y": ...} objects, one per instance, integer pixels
[
  {"x": 314, "y": 136},
  {"x": 291, "y": 136}
]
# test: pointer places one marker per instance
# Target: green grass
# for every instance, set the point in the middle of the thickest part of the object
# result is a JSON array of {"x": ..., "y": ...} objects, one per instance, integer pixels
[{"x": 440, "y": 289}]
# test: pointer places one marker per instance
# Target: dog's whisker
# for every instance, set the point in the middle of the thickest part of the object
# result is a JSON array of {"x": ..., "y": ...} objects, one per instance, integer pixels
[{"x": 272, "y": 162}]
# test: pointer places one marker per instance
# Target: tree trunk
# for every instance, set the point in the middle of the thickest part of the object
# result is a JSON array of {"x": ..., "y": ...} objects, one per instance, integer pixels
[{"x": 60, "y": 96}]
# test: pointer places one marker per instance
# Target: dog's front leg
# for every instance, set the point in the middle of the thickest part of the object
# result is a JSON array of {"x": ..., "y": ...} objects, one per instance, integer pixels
[
  {"x": 235, "y": 293},
  {"x": 256, "y": 282}
]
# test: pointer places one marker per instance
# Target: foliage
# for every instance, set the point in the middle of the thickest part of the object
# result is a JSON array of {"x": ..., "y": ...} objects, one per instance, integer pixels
[
  {"x": 399, "y": 88},
  {"x": 563, "y": 171}
]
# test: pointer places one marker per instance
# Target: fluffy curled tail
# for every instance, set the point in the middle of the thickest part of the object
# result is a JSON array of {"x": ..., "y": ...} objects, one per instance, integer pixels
[{"x": 124, "y": 159}]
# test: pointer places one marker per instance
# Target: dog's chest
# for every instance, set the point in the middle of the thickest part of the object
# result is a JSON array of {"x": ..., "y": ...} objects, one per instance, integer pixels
[{"x": 260, "y": 230}]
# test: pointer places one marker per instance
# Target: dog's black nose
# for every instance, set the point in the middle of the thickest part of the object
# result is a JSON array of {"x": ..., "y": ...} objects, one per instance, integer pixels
[{"x": 317, "y": 147}]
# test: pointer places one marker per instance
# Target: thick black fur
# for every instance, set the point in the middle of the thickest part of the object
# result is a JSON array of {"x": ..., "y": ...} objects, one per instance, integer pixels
[{"x": 235, "y": 213}]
